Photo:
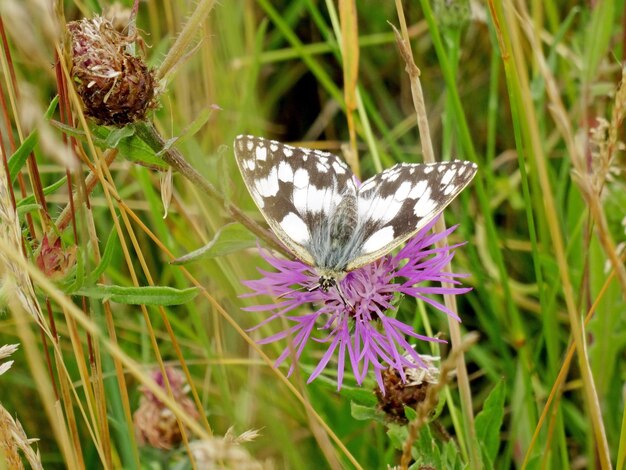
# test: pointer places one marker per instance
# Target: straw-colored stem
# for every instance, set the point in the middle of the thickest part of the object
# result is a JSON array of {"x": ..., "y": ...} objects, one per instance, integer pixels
[{"x": 449, "y": 300}]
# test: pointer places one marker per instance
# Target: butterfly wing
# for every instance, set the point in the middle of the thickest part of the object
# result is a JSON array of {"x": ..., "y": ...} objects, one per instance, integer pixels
[
  {"x": 397, "y": 203},
  {"x": 294, "y": 188}
]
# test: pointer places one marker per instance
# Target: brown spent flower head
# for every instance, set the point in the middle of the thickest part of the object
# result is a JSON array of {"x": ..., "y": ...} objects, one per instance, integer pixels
[
  {"x": 409, "y": 393},
  {"x": 116, "y": 87},
  {"x": 155, "y": 424}
]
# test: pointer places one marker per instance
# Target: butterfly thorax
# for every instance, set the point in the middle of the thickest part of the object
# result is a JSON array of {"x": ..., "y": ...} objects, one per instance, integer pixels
[{"x": 335, "y": 238}]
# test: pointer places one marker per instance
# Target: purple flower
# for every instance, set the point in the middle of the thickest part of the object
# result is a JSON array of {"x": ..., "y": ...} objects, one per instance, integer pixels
[{"x": 366, "y": 330}]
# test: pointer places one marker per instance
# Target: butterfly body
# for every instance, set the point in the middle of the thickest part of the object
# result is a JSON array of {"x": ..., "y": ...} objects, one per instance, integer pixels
[{"x": 312, "y": 202}]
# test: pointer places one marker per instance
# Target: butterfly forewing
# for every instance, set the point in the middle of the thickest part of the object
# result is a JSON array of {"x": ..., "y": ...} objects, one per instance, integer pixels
[
  {"x": 295, "y": 188},
  {"x": 397, "y": 203}
]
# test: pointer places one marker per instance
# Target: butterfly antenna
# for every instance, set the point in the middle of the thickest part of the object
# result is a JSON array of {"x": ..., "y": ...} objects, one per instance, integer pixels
[{"x": 285, "y": 294}]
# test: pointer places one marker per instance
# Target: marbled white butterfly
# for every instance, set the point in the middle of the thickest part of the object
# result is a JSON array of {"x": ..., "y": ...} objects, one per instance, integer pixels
[{"x": 312, "y": 202}]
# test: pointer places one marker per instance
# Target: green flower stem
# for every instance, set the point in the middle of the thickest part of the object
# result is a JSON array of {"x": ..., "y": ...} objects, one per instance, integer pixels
[{"x": 147, "y": 132}]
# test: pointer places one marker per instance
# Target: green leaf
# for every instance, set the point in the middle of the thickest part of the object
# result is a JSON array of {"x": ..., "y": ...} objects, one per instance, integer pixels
[
  {"x": 489, "y": 421},
  {"x": 598, "y": 37},
  {"x": 366, "y": 413},
  {"x": 116, "y": 135},
  {"x": 28, "y": 200},
  {"x": 230, "y": 238},
  {"x": 359, "y": 395},
  {"x": 410, "y": 413},
  {"x": 25, "y": 208},
  {"x": 127, "y": 143},
  {"x": 17, "y": 160},
  {"x": 146, "y": 295},
  {"x": 105, "y": 260},
  {"x": 397, "y": 435}
]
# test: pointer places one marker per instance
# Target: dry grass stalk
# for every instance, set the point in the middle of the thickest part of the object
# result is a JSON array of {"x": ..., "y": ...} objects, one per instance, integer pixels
[
  {"x": 13, "y": 278},
  {"x": 226, "y": 452},
  {"x": 12, "y": 435}
]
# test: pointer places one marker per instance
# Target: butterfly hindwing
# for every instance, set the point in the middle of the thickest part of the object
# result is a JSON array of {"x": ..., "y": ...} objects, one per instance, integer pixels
[
  {"x": 295, "y": 188},
  {"x": 395, "y": 204}
]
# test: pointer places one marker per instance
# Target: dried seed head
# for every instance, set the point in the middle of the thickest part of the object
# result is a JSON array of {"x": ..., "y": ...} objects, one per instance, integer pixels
[
  {"x": 410, "y": 392},
  {"x": 14, "y": 441},
  {"x": 6, "y": 351},
  {"x": 116, "y": 87},
  {"x": 226, "y": 452}
]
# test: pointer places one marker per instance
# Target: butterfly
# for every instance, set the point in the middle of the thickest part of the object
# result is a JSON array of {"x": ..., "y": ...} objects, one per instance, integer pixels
[{"x": 315, "y": 206}]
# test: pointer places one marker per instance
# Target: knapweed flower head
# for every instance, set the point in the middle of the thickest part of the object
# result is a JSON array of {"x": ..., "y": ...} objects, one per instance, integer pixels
[
  {"x": 116, "y": 87},
  {"x": 361, "y": 328},
  {"x": 155, "y": 424},
  {"x": 399, "y": 394}
]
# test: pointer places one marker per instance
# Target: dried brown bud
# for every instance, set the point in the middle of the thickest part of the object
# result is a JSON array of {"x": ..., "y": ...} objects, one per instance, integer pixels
[
  {"x": 116, "y": 87},
  {"x": 53, "y": 260}
]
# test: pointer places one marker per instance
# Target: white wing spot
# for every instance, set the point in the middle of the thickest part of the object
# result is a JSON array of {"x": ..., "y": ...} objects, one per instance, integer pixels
[
  {"x": 447, "y": 176},
  {"x": 425, "y": 206},
  {"x": 449, "y": 189},
  {"x": 285, "y": 172},
  {"x": 273, "y": 146},
  {"x": 339, "y": 168},
  {"x": 249, "y": 164},
  {"x": 301, "y": 178},
  {"x": 261, "y": 153},
  {"x": 268, "y": 187},
  {"x": 288, "y": 151},
  {"x": 403, "y": 191},
  {"x": 428, "y": 169},
  {"x": 250, "y": 145},
  {"x": 369, "y": 184},
  {"x": 418, "y": 190},
  {"x": 309, "y": 199},
  {"x": 393, "y": 176},
  {"x": 322, "y": 168},
  {"x": 440, "y": 168},
  {"x": 295, "y": 227},
  {"x": 462, "y": 170},
  {"x": 378, "y": 239}
]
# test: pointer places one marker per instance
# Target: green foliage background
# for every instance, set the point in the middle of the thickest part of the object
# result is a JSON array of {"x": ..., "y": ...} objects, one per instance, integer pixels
[{"x": 518, "y": 87}]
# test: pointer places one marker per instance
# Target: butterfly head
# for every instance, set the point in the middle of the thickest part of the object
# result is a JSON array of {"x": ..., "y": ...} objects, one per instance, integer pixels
[
  {"x": 329, "y": 279},
  {"x": 327, "y": 282}
]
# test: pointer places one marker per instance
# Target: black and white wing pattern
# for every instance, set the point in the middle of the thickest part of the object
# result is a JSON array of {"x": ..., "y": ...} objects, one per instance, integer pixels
[
  {"x": 296, "y": 189},
  {"x": 311, "y": 201},
  {"x": 397, "y": 203}
]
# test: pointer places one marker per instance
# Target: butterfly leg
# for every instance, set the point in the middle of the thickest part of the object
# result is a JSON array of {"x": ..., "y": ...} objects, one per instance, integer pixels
[{"x": 326, "y": 283}]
